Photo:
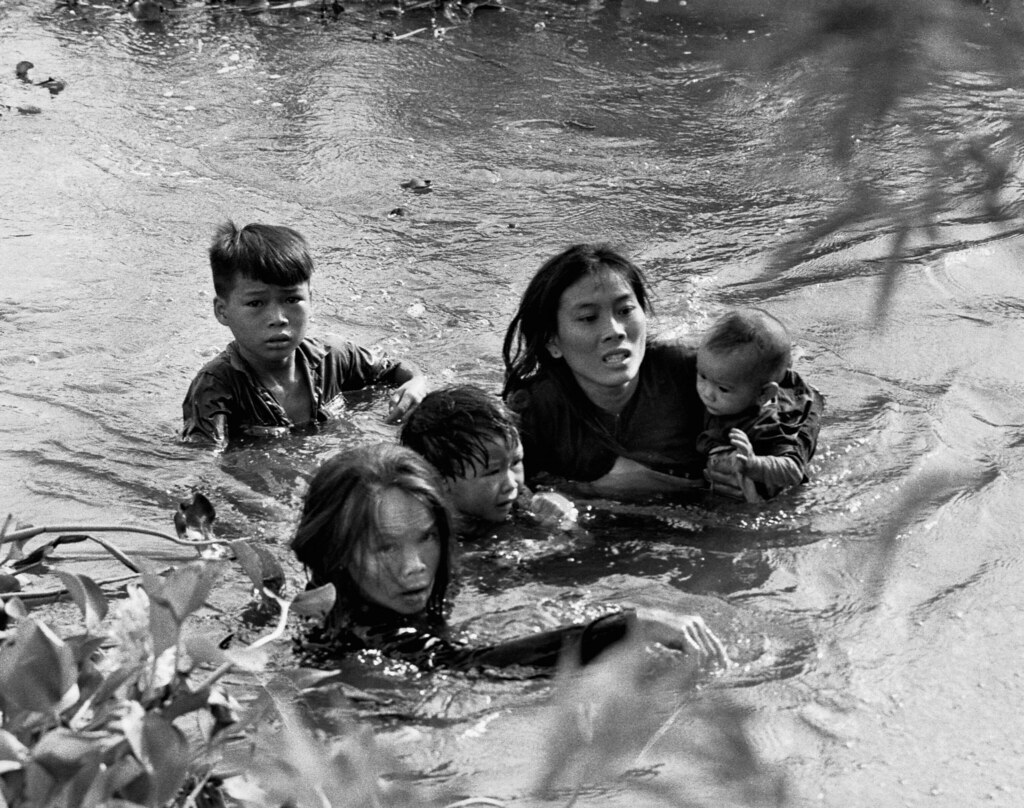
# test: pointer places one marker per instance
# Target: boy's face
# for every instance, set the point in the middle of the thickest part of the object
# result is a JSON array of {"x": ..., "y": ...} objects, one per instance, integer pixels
[
  {"x": 726, "y": 380},
  {"x": 267, "y": 321},
  {"x": 488, "y": 492}
]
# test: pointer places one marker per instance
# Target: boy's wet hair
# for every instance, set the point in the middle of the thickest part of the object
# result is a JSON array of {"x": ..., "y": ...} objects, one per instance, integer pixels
[
  {"x": 262, "y": 252},
  {"x": 755, "y": 328},
  {"x": 453, "y": 425}
]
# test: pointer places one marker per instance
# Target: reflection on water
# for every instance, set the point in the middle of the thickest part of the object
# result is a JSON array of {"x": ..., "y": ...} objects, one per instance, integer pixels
[{"x": 612, "y": 121}]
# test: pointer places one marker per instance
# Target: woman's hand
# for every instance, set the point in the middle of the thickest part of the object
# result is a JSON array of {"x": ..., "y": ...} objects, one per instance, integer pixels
[{"x": 686, "y": 632}]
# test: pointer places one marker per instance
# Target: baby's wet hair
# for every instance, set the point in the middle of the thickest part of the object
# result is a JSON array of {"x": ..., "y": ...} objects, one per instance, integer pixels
[
  {"x": 269, "y": 253},
  {"x": 757, "y": 329},
  {"x": 453, "y": 425}
]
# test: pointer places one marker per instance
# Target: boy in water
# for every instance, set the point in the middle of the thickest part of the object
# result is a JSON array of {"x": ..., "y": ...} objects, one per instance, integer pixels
[
  {"x": 273, "y": 377},
  {"x": 762, "y": 419},
  {"x": 471, "y": 438}
]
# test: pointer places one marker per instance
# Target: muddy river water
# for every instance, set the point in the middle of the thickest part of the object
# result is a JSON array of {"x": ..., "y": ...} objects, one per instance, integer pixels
[{"x": 890, "y": 672}]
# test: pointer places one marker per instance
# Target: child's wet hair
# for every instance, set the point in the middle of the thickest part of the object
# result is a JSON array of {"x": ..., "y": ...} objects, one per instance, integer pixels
[
  {"x": 340, "y": 514},
  {"x": 755, "y": 328},
  {"x": 269, "y": 253},
  {"x": 453, "y": 425}
]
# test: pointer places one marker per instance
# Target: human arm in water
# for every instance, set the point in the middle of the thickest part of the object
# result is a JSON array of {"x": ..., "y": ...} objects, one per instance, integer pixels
[
  {"x": 628, "y": 477},
  {"x": 775, "y": 472},
  {"x": 412, "y": 387},
  {"x": 733, "y": 470}
]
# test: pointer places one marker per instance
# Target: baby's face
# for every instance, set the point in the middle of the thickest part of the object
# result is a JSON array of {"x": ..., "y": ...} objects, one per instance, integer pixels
[
  {"x": 725, "y": 382},
  {"x": 488, "y": 492}
]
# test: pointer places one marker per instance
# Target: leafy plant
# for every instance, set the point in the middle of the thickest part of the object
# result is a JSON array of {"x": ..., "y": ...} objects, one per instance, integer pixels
[
  {"x": 864, "y": 73},
  {"x": 94, "y": 718}
]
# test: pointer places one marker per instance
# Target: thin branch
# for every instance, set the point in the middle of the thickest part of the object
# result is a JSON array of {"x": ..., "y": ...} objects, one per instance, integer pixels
[{"x": 32, "y": 532}]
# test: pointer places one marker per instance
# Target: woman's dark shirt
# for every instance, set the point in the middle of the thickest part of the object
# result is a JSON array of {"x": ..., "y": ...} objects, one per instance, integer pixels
[{"x": 574, "y": 440}]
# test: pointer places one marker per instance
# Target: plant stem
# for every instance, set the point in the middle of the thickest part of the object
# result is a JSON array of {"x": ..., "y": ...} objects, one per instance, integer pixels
[{"x": 31, "y": 532}]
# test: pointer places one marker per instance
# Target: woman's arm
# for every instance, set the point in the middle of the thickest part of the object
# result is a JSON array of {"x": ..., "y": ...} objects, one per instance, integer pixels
[{"x": 630, "y": 478}]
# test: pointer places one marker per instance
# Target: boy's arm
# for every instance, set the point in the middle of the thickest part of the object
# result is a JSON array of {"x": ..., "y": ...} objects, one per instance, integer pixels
[
  {"x": 204, "y": 414},
  {"x": 412, "y": 387}
]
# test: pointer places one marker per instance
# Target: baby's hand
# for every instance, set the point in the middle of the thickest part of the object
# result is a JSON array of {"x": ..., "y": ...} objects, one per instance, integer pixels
[
  {"x": 405, "y": 399},
  {"x": 554, "y": 510},
  {"x": 741, "y": 443}
]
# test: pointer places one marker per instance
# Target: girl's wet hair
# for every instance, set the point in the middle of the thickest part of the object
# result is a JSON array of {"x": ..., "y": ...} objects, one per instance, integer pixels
[
  {"x": 262, "y": 252},
  {"x": 453, "y": 425},
  {"x": 536, "y": 321},
  {"x": 340, "y": 514}
]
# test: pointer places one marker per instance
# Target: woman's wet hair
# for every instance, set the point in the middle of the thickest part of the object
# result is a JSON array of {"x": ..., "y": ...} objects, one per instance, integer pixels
[
  {"x": 453, "y": 425},
  {"x": 340, "y": 515},
  {"x": 536, "y": 321},
  {"x": 261, "y": 252}
]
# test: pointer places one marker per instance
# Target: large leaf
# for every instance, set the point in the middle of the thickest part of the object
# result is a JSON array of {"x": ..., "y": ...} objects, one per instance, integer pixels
[
  {"x": 62, "y": 752},
  {"x": 165, "y": 757},
  {"x": 87, "y": 595},
  {"x": 37, "y": 671},
  {"x": 9, "y": 583},
  {"x": 314, "y": 602},
  {"x": 263, "y": 569},
  {"x": 184, "y": 589}
]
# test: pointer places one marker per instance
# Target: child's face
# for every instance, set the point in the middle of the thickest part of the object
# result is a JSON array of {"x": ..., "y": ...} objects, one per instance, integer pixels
[
  {"x": 726, "y": 382},
  {"x": 267, "y": 321},
  {"x": 396, "y": 566},
  {"x": 488, "y": 492}
]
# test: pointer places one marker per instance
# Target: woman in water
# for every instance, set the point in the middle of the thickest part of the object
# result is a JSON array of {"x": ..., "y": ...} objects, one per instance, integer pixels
[
  {"x": 376, "y": 525},
  {"x": 599, "y": 403}
]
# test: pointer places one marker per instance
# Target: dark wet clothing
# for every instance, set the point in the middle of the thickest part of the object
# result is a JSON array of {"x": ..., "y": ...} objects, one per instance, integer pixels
[
  {"x": 566, "y": 436},
  {"x": 426, "y": 642},
  {"x": 226, "y": 400},
  {"x": 787, "y": 427}
]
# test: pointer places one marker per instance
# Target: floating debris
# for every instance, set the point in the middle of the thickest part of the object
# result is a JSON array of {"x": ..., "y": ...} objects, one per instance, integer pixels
[
  {"x": 417, "y": 185},
  {"x": 55, "y": 86}
]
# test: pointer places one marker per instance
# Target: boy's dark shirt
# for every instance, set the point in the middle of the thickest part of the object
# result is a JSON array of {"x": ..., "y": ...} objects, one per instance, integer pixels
[
  {"x": 226, "y": 399},
  {"x": 658, "y": 427},
  {"x": 789, "y": 428},
  {"x": 425, "y": 641}
]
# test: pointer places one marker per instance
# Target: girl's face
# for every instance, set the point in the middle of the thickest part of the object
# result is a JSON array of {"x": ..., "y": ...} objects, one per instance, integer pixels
[
  {"x": 397, "y": 565},
  {"x": 601, "y": 334}
]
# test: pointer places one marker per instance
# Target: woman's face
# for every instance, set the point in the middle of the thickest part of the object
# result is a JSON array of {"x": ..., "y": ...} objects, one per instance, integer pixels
[
  {"x": 601, "y": 334},
  {"x": 397, "y": 565}
]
